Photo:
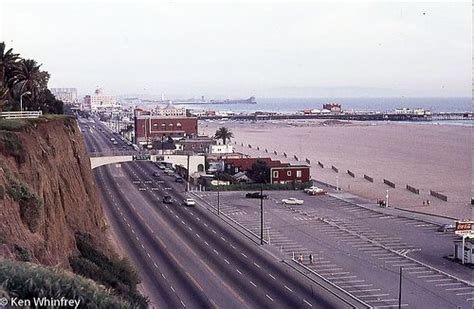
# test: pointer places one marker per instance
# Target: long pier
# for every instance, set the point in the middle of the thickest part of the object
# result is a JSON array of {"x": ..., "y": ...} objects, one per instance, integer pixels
[{"x": 342, "y": 116}]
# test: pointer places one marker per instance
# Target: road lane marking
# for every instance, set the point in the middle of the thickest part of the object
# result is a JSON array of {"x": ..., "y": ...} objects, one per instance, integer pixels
[
  {"x": 272, "y": 276},
  {"x": 308, "y": 303},
  {"x": 238, "y": 271},
  {"x": 269, "y": 297},
  {"x": 288, "y": 289},
  {"x": 253, "y": 283}
]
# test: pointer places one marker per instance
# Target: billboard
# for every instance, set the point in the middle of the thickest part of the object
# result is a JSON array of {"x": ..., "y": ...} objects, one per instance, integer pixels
[{"x": 464, "y": 228}]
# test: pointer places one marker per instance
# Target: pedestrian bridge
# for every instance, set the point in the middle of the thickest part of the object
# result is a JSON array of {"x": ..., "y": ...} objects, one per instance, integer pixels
[{"x": 196, "y": 162}]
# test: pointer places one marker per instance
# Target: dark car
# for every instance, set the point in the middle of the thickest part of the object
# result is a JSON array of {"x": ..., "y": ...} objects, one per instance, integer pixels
[
  {"x": 167, "y": 199},
  {"x": 256, "y": 195},
  {"x": 179, "y": 179},
  {"x": 447, "y": 228}
]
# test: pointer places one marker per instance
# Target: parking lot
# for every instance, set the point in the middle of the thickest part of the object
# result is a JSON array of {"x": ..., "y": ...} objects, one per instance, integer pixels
[{"x": 359, "y": 249}]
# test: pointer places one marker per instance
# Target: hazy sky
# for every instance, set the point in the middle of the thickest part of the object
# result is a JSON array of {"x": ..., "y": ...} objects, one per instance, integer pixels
[{"x": 247, "y": 48}]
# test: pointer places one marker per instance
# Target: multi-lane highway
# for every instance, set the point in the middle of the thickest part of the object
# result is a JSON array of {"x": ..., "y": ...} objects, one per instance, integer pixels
[{"x": 186, "y": 256}]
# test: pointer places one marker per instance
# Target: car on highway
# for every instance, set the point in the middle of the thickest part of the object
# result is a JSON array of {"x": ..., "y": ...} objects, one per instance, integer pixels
[
  {"x": 161, "y": 167},
  {"x": 447, "y": 228},
  {"x": 292, "y": 201},
  {"x": 189, "y": 202},
  {"x": 169, "y": 172},
  {"x": 256, "y": 195},
  {"x": 179, "y": 179},
  {"x": 114, "y": 142},
  {"x": 167, "y": 199}
]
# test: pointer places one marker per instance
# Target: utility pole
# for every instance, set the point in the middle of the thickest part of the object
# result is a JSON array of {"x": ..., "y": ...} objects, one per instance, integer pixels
[
  {"x": 218, "y": 199},
  {"x": 386, "y": 196},
  {"x": 188, "y": 174},
  {"x": 261, "y": 214},
  {"x": 400, "y": 290}
]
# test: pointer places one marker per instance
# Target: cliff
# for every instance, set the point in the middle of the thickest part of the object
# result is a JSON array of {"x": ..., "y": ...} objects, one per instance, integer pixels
[{"x": 47, "y": 192}]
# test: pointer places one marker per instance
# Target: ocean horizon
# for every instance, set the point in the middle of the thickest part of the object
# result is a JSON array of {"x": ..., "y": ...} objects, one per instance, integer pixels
[{"x": 288, "y": 105}]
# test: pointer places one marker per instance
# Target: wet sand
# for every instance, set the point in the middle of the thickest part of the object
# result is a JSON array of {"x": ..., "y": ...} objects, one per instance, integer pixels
[{"x": 425, "y": 156}]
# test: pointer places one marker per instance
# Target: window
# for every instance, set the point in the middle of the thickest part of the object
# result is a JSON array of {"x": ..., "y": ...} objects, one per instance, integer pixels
[
  {"x": 288, "y": 173},
  {"x": 275, "y": 174},
  {"x": 298, "y": 174}
]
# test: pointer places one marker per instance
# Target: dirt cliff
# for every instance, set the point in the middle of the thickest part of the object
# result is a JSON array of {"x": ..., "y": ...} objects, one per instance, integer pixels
[{"x": 47, "y": 191}]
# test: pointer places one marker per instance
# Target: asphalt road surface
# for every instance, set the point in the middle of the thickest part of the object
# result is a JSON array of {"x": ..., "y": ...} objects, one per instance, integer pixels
[{"x": 186, "y": 256}]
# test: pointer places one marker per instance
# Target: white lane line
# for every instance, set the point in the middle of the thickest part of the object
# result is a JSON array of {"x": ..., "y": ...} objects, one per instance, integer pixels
[
  {"x": 288, "y": 289},
  {"x": 467, "y": 293},
  {"x": 256, "y": 265},
  {"x": 253, "y": 283},
  {"x": 272, "y": 276},
  {"x": 243, "y": 254},
  {"x": 238, "y": 271},
  {"x": 173, "y": 289},
  {"x": 269, "y": 297},
  {"x": 457, "y": 289},
  {"x": 164, "y": 277},
  {"x": 309, "y": 304},
  {"x": 226, "y": 261}
]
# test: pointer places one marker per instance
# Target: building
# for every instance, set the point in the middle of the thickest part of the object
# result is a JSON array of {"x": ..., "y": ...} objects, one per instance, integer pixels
[
  {"x": 333, "y": 107},
  {"x": 168, "y": 122},
  {"x": 279, "y": 172},
  {"x": 200, "y": 144},
  {"x": 466, "y": 253},
  {"x": 221, "y": 149},
  {"x": 67, "y": 95},
  {"x": 100, "y": 101}
]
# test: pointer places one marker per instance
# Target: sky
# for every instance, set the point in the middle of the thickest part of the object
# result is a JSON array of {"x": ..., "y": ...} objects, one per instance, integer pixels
[{"x": 241, "y": 48}]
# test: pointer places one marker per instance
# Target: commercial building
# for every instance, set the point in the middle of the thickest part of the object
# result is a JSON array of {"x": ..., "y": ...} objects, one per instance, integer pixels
[
  {"x": 67, "y": 95},
  {"x": 168, "y": 122},
  {"x": 100, "y": 102}
]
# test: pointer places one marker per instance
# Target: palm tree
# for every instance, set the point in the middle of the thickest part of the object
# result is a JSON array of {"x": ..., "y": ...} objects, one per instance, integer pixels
[
  {"x": 8, "y": 66},
  {"x": 224, "y": 134},
  {"x": 31, "y": 78}
]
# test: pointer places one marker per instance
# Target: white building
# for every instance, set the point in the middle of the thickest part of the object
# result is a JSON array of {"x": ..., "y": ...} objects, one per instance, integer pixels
[
  {"x": 100, "y": 101},
  {"x": 67, "y": 95},
  {"x": 170, "y": 111},
  {"x": 216, "y": 149}
]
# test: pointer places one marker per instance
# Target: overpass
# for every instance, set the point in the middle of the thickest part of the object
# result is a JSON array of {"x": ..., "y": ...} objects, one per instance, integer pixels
[{"x": 196, "y": 162}]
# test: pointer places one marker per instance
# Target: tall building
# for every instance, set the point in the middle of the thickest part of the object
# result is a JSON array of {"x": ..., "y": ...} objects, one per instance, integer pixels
[
  {"x": 169, "y": 121},
  {"x": 100, "y": 101},
  {"x": 67, "y": 95}
]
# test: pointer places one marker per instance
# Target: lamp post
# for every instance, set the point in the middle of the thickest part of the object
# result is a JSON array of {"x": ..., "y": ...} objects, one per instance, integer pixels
[
  {"x": 218, "y": 198},
  {"x": 261, "y": 214},
  {"x": 386, "y": 197},
  {"x": 21, "y": 99}
]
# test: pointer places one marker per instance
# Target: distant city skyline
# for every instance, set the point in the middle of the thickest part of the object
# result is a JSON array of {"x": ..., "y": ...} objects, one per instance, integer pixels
[{"x": 236, "y": 50}]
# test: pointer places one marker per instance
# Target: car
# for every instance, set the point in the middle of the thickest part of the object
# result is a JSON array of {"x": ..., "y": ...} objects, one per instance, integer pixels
[
  {"x": 169, "y": 172},
  {"x": 447, "y": 228},
  {"x": 189, "y": 202},
  {"x": 112, "y": 139},
  {"x": 167, "y": 199},
  {"x": 162, "y": 167},
  {"x": 292, "y": 201},
  {"x": 316, "y": 191},
  {"x": 310, "y": 189},
  {"x": 114, "y": 142},
  {"x": 256, "y": 195},
  {"x": 156, "y": 174},
  {"x": 179, "y": 179}
]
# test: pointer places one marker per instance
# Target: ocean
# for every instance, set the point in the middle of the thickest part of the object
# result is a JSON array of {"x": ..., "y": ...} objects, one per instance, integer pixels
[{"x": 288, "y": 105}]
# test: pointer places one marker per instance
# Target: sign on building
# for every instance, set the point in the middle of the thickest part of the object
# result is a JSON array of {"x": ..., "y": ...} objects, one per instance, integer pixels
[
  {"x": 464, "y": 228},
  {"x": 141, "y": 157}
]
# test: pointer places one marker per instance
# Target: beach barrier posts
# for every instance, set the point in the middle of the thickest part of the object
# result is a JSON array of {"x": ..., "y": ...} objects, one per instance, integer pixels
[
  {"x": 320, "y": 164},
  {"x": 389, "y": 183},
  {"x": 413, "y": 189},
  {"x": 266, "y": 150},
  {"x": 250, "y": 146},
  {"x": 368, "y": 178},
  {"x": 335, "y": 169},
  {"x": 274, "y": 151},
  {"x": 439, "y": 195},
  {"x": 351, "y": 174},
  {"x": 258, "y": 148},
  {"x": 296, "y": 158},
  {"x": 285, "y": 155},
  {"x": 308, "y": 161}
]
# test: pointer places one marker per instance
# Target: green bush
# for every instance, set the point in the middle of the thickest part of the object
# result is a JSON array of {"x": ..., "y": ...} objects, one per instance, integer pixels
[
  {"x": 22, "y": 254},
  {"x": 31, "y": 207},
  {"x": 28, "y": 281},
  {"x": 13, "y": 145},
  {"x": 2, "y": 192},
  {"x": 257, "y": 186},
  {"x": 112, "y": 271},
  {"x": 13, "y": 124}
]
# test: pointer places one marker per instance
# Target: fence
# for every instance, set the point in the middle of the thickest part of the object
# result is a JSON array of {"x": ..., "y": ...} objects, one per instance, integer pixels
[
  {"x": 351, "y": 174},
  {"x": 389, "y": 183},
  {"x": 320, "y": 164},
  {"x": 368, "y": 178},
  {"x": 20, "y": 115},
  {"x": 413, "y": 189},
  {"x": 439, "y": 195},
  {"x": 335, "y": 169}
]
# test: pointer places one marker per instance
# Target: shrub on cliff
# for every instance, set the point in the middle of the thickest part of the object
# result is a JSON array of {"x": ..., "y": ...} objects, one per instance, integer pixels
[
  {"x": 12, "y": 146},
  {"x": 28, "y": 281},
  {"x": 111, "y": 271}
]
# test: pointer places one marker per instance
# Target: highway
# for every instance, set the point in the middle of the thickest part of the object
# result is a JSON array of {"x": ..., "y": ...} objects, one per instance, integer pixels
[{"x": 186, "y": 256}]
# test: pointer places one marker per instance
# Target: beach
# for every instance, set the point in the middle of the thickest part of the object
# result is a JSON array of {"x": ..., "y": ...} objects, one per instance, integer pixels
[{"x": 425, "y": 156}]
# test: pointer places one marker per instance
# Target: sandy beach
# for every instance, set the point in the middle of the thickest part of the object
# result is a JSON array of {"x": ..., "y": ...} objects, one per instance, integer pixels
[{"x": 424, "y": 156}]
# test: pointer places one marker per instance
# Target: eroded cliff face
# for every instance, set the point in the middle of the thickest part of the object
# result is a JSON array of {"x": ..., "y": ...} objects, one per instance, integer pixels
[{"x": 47, "y": 191}]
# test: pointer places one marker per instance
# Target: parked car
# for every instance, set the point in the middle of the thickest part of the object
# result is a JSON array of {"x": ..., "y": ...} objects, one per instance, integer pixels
[
  {"x": 112, "y": 139},
  {"x": 310, "y": 189},
  {"x": 256, "y": 195},
  {"x": 292, "y": 201},
  {"x": 161, "y": 167},
  {"x": 447, "y": 228},
  {"x": 316, "y": 191},
  {"x": 189, "y": 202},
  {"x": 114, "y": 142},
  {"x": 179, "y": 179},
  {"x": 167, "y": 199},
  {"x": 169, "y": 172}
]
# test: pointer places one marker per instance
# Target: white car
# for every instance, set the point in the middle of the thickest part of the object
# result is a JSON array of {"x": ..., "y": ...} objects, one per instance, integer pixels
[
  {"x": 292, "y": 201},
  {"x": 189, "y": 202},
  {"x": 310, "y": 189},
  {"x": 315, "y": 191}
]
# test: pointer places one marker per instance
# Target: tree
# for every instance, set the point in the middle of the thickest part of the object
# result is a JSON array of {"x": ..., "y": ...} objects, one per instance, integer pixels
[
  {"x": 30, "y": 78},
  {"x": 224, "y": 134},
  {"x": 9, "y": 64},
  {"x": 260, "y": 172}
]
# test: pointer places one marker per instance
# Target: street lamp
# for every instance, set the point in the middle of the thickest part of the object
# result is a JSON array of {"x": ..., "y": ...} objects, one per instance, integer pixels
[
  {"x": 21, "y": 99},
  {"x": 261, "y": 214},
  {"x": 386, "y": 197}
]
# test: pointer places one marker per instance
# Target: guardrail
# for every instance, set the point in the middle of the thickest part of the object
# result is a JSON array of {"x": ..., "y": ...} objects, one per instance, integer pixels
[
  {"x": 21, "y": 115},
  {"x": 439, "y": 195}
]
